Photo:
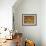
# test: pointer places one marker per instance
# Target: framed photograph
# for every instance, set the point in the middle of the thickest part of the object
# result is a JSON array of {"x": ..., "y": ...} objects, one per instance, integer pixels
[{"x": 29, "y": 19}]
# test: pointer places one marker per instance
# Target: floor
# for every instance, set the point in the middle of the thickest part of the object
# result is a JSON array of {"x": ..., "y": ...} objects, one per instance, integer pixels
[{"x": 9, "y": 43}]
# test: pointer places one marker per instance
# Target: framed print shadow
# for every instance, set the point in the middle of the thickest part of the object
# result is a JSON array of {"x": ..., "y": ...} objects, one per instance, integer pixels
[{"x": 29, "y": 19}]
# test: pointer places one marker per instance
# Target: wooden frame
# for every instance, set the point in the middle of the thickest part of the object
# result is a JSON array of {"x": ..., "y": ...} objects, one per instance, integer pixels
[{"x": 29, "y": 19}]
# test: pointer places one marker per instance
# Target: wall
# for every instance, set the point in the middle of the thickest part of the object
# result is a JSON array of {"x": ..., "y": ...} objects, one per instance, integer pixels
[
  {"x": 6, "y": 16},
  {"x": 43, "y": 22},
  {"x": 6, "y": 13},
  {"x": 28, "y": 7}
]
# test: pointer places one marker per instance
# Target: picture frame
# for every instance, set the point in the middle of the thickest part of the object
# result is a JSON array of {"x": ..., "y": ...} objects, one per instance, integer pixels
[{"x": 29, "y": 19}]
